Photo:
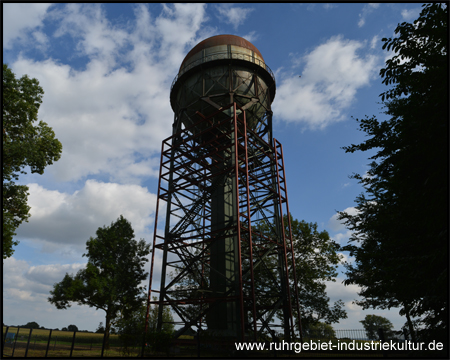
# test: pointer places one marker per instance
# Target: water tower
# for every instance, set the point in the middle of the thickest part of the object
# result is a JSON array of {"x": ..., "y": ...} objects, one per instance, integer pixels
[{"x": 227, "y": 260}]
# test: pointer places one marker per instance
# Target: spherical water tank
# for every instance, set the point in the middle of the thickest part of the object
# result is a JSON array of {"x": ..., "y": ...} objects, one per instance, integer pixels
[{"x": 218, "y": 71}]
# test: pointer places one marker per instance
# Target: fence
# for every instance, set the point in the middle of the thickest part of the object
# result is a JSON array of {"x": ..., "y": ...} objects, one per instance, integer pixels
[{"x": 24, "y": 342}]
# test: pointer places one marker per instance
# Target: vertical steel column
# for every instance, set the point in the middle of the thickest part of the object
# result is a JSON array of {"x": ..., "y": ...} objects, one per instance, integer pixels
[
  {"x": 276, "y": 142},
  {"x": 283, "y": 238},
  {"x": 250, "y": 240},
  {"x": 238, "y": 224},
  {"x": 176, "y": 127},
  {"x": 153, "y": 255}
]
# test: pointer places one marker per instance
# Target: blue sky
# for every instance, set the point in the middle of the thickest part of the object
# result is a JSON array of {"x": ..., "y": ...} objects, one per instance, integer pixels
[{"x": 106, "y": 70}]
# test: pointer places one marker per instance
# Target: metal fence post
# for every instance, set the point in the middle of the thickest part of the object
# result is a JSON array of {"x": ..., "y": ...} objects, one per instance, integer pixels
[
  {"x": 103, "y": 345},
  {"x": 15, "y": 340},
  {"x": 381, "y": 335},
  {"x": 4, "y": 339},
  {"x": 48, "y": 343},
  {"x": 73, "y": 343},
  {"x": 28, "y": 342}
]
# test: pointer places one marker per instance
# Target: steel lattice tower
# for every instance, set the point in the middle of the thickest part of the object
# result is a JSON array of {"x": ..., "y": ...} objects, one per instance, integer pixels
[{"x": 227, "y": 245}]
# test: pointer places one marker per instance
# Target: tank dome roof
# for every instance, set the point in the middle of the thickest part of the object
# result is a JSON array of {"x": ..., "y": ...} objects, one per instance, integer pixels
[{"x": 220, "y": 40}]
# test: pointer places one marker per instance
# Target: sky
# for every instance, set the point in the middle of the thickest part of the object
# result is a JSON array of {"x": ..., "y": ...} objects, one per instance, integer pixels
[{"x": 106, "y": 70}]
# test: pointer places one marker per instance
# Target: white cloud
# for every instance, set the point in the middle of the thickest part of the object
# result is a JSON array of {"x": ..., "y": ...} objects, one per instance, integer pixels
[
  {"x": 342, "y": 238},
  {"x": 26, "y": 289},
  {"x": 111, "y": 120},
  {"x": 329, "y": 6},
  {"x": 332, "y": 75},
  {"x": 348, "y": 293},
  {"x": 59, "y": 220},
  {"x": 375, "y": 42},
  {"x": 251, "y": 36},
  {"x": 367, "y": 9},
  {"x": 19, "y": 19},
  {"x": 32, "y": 283},
  {"x": 336, "y": 225},
  {"x": 411, "y": 14},
  {"x": 345, "y": 258},
  {"x": 233, "y": 15},
  {"x": 25, "y": 292}
]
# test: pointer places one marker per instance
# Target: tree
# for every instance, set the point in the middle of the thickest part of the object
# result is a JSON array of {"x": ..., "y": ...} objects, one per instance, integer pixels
[
  {"x": 167, "y": 318},
  {"x": 72, "y": 328},
  {"x": 100, "y": 329},
  {"x": 372, "y": 323},
  {"x": 400, "y": 239},
  {"x": 31, "y": 325},
  {"x": 316, "y": 260},
  {"x": 24, "y": 144},
  {"x": 131, "y": 328},
  {"x": 112, "y": 278},
  {"x": 319, "y": 330}
]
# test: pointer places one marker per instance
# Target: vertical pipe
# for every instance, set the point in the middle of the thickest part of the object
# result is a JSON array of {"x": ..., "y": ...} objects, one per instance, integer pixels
[
  {"x": 28, "y": 342},
  {"x": 73, "y": 343},
  {"x": 48, "y": 343}
]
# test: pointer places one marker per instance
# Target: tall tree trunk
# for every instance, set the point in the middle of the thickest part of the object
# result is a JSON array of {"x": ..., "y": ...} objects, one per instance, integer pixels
[{"x": 410, "y": 325}]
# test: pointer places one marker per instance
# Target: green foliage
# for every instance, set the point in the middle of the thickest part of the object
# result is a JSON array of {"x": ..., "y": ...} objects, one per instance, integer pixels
[
  {"x": 131, "y": 328},
  {"x": 167, "y": 318},
  {"x": 100, "y": 329},
  {"x": 112, "y": 278},
  {"x": 316, "y": 260},
  {"x": 400, "y": 239},
  {"x": 72, "y": 328},
  {"x": 372, "y": 323},
  {"x": 24, "y": 144},
  {"x": 319, "y": 330},
  {"x": 31, "y": 325},
  {"x": 159, "y": 341}
]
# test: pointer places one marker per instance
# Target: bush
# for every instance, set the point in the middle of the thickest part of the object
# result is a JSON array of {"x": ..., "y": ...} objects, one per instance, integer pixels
[{"x": 159, "y": 341}]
